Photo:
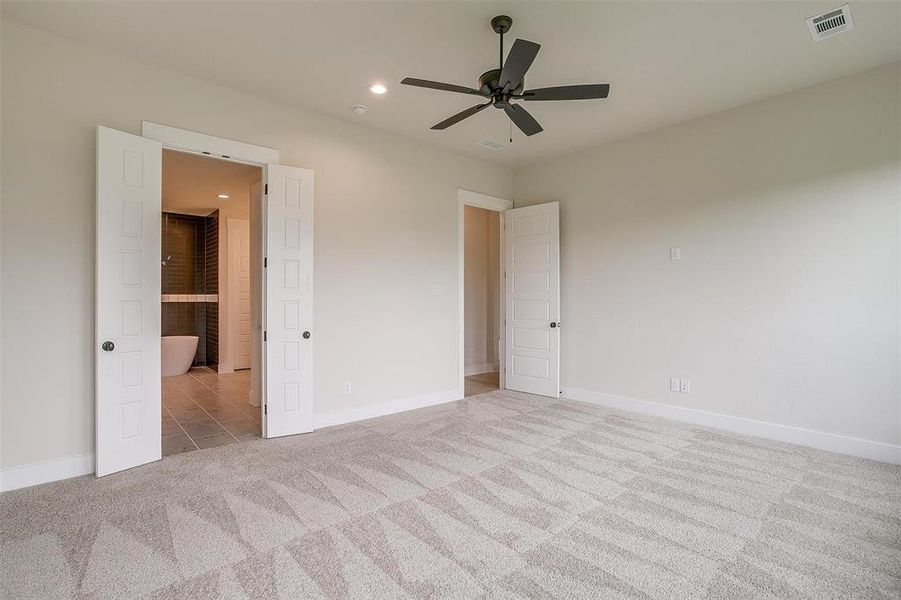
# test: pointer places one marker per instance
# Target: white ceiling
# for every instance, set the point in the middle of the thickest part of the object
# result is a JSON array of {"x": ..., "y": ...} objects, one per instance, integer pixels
[
  {"x": 666, "y": 61},
  {"x": 192, "y": 183}
]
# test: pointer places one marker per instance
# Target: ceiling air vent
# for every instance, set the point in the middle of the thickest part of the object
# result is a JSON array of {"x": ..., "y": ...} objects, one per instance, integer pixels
[
  {"x": 830, "y": 23},
  {"x": 491, "y": 144}
]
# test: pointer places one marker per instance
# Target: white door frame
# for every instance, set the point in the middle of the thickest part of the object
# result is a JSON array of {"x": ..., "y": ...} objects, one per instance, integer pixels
[
  {"x": 202, "y": 144},
  {"x": 207, "y": 145},
  {"x": 498, "y": 205}
]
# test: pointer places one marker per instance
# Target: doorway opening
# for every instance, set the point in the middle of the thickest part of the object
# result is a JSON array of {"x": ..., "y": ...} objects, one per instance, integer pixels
[
  {"x": 482, "y": 283},
  {"x": 480, "y": 243},
  {"x": 210, "y": 302}
]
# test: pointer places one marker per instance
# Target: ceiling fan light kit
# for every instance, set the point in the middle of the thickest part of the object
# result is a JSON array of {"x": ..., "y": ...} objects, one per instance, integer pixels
[{"x": 507, "y": 83}]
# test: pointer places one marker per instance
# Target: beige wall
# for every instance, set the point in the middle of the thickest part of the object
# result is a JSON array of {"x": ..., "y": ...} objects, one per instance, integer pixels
[
  {"x": 785, "y": 304},
  {"x": 386, "y": 233},
  {"x": 481, "y": 261}
]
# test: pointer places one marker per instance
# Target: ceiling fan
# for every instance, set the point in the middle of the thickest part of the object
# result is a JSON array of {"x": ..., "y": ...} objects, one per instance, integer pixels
[{"x": 506, "y": 83}]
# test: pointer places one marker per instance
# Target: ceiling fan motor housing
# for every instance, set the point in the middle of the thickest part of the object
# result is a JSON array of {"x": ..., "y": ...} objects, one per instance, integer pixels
[{"x": 490, "y": 85}]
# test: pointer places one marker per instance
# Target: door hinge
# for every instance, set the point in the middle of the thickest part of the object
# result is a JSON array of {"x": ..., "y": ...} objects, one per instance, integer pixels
[
  {"x": 265, "y": 261},
  {"x": 265, "y": 336},
  {"x": 266, "y": 189},
  {"x": 265, "y": 409}
]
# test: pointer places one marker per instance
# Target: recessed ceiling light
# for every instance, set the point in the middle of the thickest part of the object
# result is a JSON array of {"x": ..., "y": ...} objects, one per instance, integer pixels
[
  {"x": 224, "y": 196},
  {"x": 378, "y": 88}
]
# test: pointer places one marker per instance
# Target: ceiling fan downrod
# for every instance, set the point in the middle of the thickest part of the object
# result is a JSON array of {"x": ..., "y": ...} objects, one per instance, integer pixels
[{"x": 501, "y": 24}]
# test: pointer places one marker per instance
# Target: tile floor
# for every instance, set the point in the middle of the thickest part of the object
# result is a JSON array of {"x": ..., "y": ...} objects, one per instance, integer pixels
[
  {"x": 204, "y": 409},
  {"x": 481, "y": 384}
]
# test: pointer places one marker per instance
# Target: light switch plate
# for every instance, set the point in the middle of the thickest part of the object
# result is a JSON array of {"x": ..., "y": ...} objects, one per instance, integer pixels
[
  {"x": 674, "y": 384},
  {"x": 684, "y": 386},
  {"x": 675, "y": 253}
]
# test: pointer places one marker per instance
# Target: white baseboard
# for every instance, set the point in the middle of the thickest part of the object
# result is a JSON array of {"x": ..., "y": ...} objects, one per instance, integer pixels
[
  {"x": 22, "y": 476},
  {"x": 385, "y": 408},
  {"x": 54, "y": 470},
  {"x": 832, "y": 442},
  {"x": 479, "y": 369}
]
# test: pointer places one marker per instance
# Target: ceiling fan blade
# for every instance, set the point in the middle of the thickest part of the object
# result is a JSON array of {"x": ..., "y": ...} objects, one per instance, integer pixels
[
  {"x": 568, "y": 92},
  {"x": 437, "y": 85},
  {"x": 518, "y": 62},
  {"x": 522, "y": 119},
  {"x": 460, "y": 116}
]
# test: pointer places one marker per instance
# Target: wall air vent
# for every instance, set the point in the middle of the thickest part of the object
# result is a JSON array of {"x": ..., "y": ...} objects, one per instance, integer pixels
[
  {"x": 830, "y": 23},
  {"x": 491, "y": 144}
]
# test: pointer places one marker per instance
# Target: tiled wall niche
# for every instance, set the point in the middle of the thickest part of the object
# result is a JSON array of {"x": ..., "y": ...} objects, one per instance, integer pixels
[{"x": 190, "y": 280}]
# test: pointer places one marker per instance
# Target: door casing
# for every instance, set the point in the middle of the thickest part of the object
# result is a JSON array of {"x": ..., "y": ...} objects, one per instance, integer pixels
[
  {"x": 268, "y": 160},
  {"x": 202, "y": 144}
]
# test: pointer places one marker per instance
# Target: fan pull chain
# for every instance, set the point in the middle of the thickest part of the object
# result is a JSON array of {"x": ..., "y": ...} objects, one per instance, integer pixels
[{"x": 510, "y": 123}]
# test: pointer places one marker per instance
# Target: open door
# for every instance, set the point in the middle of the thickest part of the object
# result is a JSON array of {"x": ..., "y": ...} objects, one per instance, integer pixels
[
  {"x": 532, "y": 280},
  {"x": 127, "y": 344},
  {"x": 240, "y": 301},
  {"x": 288, "y": 301}
]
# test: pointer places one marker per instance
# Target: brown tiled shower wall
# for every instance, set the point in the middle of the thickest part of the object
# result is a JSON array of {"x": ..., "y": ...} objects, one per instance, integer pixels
[
  {"x": 211, "y": 250},
  {"x": 191, "y": 266}
]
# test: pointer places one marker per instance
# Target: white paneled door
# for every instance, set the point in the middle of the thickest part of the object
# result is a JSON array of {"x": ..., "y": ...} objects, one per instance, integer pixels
[
  {"x": 532, "y": 272},
  {"x": 127, "y": 344},
  {"x": 288, "y": 312},
  {"x": 240, "y": 311}
]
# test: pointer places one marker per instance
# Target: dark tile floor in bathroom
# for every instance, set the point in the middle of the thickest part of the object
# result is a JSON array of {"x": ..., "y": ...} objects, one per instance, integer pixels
[{"x": 204, "y": 409}]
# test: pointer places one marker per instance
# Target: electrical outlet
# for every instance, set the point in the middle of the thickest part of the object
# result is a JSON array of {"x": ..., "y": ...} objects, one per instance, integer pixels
[
  {"x": 674, "y": 384},
  {"x": 348, "y": 387},
  {"x": 684, "y": 386}
]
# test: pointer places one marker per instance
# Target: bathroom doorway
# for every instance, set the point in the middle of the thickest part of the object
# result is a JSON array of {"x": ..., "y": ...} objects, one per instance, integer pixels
[
  {"x": 128, "y": 302},
  {"x": 210, "y": 302}
]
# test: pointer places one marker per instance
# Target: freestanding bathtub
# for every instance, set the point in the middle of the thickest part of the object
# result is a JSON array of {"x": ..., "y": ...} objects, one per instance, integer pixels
[{"x": 178, "y": 353}]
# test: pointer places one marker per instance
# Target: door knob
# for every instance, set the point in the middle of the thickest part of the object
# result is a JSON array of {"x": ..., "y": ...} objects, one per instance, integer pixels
[
  {"x": 306, "y": 335},
  {"x": 108, "y": 346},
  {"x": 553, "y": 324}
]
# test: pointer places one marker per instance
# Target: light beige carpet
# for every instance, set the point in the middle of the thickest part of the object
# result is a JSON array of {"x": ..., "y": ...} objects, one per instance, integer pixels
[{"x": 502, "y": 495}]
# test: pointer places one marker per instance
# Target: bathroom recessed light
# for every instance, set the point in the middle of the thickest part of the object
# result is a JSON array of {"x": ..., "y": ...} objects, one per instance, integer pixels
[
  {"x": 224, "y": 196},
  {"x": 378, "y": 88}
]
